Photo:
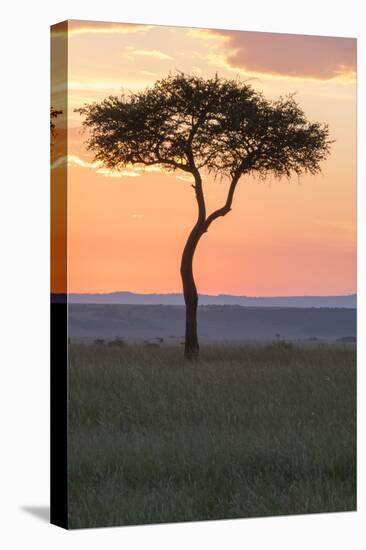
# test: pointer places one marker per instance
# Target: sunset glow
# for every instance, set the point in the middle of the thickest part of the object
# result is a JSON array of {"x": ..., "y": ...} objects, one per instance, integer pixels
[{"x": 126, "y": 230}]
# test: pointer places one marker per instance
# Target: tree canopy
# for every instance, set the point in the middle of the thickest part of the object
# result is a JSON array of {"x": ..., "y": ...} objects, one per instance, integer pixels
[{"x": 223, "y": 126}]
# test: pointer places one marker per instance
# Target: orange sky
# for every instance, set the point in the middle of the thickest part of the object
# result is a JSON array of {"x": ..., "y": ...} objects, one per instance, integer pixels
[{"x": 126, "y": 231}]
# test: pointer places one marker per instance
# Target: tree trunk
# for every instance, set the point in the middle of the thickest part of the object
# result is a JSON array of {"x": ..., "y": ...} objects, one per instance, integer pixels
[{"x": 191, "y": 345}]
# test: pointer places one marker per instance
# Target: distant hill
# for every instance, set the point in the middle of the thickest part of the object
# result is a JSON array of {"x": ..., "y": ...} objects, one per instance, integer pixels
[{"x": 131, "y": 298}]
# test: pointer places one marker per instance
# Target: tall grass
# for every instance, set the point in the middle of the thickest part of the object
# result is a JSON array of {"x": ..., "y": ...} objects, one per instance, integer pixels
[{"x": 250, "y": 431}]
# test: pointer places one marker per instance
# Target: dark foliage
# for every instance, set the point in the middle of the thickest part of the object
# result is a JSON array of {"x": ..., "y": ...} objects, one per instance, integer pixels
[
  {"x": 53, "y": 114},
  {"x": 191, "y": 123}
]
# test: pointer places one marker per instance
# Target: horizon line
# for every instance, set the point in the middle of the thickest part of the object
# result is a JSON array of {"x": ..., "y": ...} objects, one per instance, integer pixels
[{"x": 208, "y": 294}]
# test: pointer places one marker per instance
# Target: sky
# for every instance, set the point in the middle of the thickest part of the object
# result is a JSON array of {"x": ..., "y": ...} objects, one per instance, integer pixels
[{"x": 126, "y": 230}]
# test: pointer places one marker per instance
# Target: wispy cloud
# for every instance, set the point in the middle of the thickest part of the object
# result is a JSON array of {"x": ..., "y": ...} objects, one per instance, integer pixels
[
  {"x": 154, "y": 54},
  {"x": 119, "y": 174},
  {"x": 95, "y": 85},
  {"x": 75, "y": 28},
  {"x": 132, "y": 170},
  {"x": 186, "y": 178},
  {"x": 208, "y": 34},
  {"x": 73, "y": 160},
  {"x": 148, "y": 73}
]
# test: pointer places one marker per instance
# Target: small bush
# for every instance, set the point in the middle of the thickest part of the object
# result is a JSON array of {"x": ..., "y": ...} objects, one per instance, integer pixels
[
  {"x": 151, "y": 345},
  {"x": 117, "y": 342},
  {"x": 99, "y": 342},
  {"x": 281, "y": 346}
]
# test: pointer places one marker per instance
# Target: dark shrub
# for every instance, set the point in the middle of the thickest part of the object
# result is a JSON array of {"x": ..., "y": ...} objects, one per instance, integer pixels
[
  {"x": 117, "y": 342},
  {"x": 99, "y": 342}
]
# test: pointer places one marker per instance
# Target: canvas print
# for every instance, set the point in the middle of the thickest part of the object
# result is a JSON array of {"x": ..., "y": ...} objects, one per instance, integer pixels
[{"x": 203, "y": 308}]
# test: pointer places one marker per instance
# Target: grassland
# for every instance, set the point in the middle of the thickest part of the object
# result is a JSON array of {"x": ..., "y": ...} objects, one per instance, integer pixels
[{"x": 247, "y": 431}]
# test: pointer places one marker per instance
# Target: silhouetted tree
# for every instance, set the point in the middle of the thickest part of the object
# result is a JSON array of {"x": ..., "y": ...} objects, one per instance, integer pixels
[
  {"x": 53, "y": 114},
  {"x": 218, "y": 126}
]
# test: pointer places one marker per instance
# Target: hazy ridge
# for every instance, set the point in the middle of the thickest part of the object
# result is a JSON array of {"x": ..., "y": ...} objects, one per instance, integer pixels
[{"x": 174, "y": 299}]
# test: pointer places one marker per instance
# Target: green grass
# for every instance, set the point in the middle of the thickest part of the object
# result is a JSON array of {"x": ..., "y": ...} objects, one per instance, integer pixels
[{"x": 250, "y": 431}]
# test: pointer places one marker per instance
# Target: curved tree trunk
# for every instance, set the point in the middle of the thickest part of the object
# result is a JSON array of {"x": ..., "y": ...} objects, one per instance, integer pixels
[{"x": 191, "y": 345}]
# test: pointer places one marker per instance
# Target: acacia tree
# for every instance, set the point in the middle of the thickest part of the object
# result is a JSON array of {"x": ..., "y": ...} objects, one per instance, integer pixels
[
  {"x": 54, "y": 113},
  {"x": 216, "y": 126}
]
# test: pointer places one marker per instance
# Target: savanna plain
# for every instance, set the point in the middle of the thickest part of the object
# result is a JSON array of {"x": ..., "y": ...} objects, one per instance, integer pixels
[{"x": 247, "y": 430}]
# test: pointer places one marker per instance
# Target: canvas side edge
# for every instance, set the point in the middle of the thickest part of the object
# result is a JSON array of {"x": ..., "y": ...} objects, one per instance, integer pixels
[{"x": 59, "y": 316}]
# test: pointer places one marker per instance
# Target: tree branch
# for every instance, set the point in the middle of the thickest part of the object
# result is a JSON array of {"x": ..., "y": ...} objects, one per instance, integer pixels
[
  {"x": 197, "y": 186},
  {"x": 161, "y": 160},
  {"x": 227, "y": 206},
  {"x": 199, "y": 196}
]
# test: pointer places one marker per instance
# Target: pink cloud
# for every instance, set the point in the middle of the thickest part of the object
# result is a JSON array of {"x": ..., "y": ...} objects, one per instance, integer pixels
[{"x": 318, "y": 57}]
